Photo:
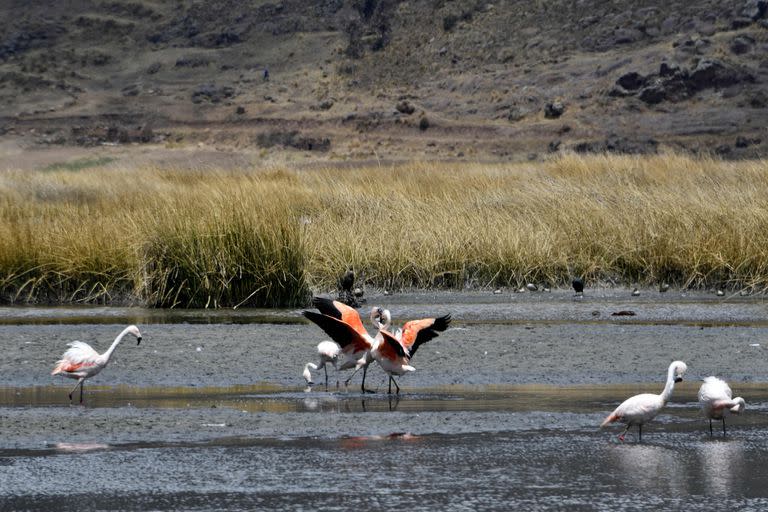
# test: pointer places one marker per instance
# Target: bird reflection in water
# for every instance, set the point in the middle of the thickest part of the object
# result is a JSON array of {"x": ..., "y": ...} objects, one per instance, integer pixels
[{"x": 721, "y": 466}]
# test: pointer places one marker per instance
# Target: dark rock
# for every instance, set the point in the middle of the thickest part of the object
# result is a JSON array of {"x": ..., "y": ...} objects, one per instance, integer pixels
[
  {"x": 619, "y": 92},
  {"x": 405, "y": 107},
  {"x": 742, "y": 44},
  {"x": 653, "y": 94},
  {"x": 754, "y": 9},
  {"x": 423, "y": 123},
  {"x": 744, "y": 142},
  {"x": 668, "y": 69},
  {"x": 154, "y": 68},
  {"x": 739, "y": 23},
  {"x": 631, "y": 81},
  {"x": 710, "y": 73},
  {"x": 240, "y": 110},
  {"x": 554, "y": 146},
  {"x": 554, "y": 110}
]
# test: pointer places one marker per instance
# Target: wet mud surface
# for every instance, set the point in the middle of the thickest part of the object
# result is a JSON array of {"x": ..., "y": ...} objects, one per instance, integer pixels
[{"x": 210, "y": 412}]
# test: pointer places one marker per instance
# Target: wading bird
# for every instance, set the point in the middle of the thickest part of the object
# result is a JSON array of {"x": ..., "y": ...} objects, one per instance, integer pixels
[
  {"x": 342, "y": 323},
  {"x": 395, "y": 351},
  {"x": 716, "y": 400},
  {"x": 328, "y": 352},
  {"x": 644, "y": 407},
  {"x": 82, "y": 362},
  {"x": 578, "y": 286}
]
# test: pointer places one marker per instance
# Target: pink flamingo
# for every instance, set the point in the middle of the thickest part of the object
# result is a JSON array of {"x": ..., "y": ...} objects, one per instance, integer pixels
[
  {"x": 638, "y": 409},
  {"x": 342, "y": 323},
  {"x": 716, "y": 400},
  {"x": 82, "y": 362},
  {"x": 395, "y": 351}
]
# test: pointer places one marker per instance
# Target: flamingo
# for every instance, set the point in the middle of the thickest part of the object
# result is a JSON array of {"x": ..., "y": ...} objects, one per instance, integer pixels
[
  {"x": 716, "y": 400},
  {"x": 328, "y": 352},
  {"x": 644, "y": 407},
  {"x": 342, "y": 323},
  {"x": 395, "y": 351},
  {"x": 82, "y": 362}
]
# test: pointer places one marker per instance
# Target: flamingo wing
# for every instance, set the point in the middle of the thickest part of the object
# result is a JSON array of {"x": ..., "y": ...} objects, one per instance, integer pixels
[
  {"x": 391, "y": 348},
  {"x": 340, "y": 311},
  {"x": 79, "y": 355},
  {"x": 418, "y": 332},
  {"x": 342, "y": 333}
]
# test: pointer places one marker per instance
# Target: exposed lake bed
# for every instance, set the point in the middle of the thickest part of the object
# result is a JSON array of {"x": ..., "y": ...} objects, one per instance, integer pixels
[{"x": 211, "y": 412}]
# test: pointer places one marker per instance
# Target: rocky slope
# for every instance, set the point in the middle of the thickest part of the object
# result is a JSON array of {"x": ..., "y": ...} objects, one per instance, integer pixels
[{"x": 387, "y": 79}]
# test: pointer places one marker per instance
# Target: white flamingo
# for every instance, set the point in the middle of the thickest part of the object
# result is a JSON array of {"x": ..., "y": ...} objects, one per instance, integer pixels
[
  {"x": 395, "y": 351},
  {"x": 716, "y": 400},
  {"x": 342, "y": 323},
  {"x": 82, "y": 362},
  {"x": 328, "y": 352},
  {"x": 644, "y": 407}
]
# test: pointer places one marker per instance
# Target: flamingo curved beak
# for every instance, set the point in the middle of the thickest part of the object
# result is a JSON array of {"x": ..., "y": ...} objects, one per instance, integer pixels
[
  {"x": 678, "y": 379},
  {"x": 138, "y": 342}
]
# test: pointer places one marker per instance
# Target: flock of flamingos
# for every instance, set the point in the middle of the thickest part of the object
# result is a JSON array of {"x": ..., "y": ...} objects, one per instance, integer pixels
[{"x": 353, "y": 347}]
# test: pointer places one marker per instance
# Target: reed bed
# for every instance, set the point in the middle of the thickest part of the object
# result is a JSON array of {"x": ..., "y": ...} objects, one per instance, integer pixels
[{"x": 268, "y": 237}]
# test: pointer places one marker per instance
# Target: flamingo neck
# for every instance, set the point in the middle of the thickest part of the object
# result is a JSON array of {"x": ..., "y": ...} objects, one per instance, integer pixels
[
  {"x": 670, "y": 385},
  {"x": 115, "y": 343}
]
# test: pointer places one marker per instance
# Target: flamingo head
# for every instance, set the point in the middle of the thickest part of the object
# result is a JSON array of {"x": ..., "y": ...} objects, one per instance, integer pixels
[
  {"x": 380, "y": 317},
  {"x": 132, "y": 329},
  {"x": 678, "y": 369}
]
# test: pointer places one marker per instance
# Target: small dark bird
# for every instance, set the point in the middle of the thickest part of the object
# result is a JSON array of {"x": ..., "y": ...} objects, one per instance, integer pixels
[
  {"x": 663, "y": 287},
  {"x": 347, "y": 281},
  {"x": 578, "y": 285}
]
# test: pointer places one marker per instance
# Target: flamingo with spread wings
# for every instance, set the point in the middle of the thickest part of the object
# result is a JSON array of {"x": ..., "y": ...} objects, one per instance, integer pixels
[
  {"x": 82, "y": 362},
  {"x": 342, "y": 323},
  {"x": 395, "y": 351}
]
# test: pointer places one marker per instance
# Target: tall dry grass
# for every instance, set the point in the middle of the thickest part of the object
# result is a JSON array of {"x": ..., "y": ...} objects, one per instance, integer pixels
[{"x": 266, "y": 237}]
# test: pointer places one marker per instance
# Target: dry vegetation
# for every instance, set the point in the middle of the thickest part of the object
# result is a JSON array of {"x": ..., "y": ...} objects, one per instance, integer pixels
[{"x": 184, "y": 238}]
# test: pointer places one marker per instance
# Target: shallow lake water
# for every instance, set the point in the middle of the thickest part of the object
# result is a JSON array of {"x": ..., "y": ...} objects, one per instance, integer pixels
[{"x": 210, "y": 412}]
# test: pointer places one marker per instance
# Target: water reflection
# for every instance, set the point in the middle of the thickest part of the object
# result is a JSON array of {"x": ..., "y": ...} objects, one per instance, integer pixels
[
  {"x": 649, "y": 467},
  {"x": 721, "y": 464}
]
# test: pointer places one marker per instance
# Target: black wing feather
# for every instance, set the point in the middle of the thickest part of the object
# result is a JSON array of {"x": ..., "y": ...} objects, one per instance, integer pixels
[
  {"x": 392, "y": 342},
  {"x": 326, "y": 307},
  {"x": 341, "y": 333},
  {"x": 424, "y": 335}
]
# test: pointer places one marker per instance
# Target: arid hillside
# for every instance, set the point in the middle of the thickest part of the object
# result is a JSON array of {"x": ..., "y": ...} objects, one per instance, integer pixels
[{"x": 386, "y": 80}]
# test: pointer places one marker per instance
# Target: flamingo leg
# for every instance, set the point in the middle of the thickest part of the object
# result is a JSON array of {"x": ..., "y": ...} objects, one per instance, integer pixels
[
  {"x": 346, "y": 382},
  {"x": 710, "y": 427},
  {"x": 71, "y": 392},
  {"x": 82, "y": 385},
  {"x": 362, "y": 386},
  {"x": 723, "y": 425},
  {"x": 623, "y": 433},
  {"x": 640, "y": 431},
  {"x": 326, "y": 377},
  {"x": 393, "y": 381}
]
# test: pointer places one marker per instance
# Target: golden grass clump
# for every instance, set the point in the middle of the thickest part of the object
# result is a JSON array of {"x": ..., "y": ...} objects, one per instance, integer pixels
[{"x": 190, "y": 238}]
